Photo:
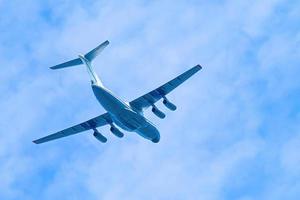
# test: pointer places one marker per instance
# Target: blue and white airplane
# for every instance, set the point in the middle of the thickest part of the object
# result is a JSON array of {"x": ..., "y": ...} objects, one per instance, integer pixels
[{"x": 128, "y": 116}]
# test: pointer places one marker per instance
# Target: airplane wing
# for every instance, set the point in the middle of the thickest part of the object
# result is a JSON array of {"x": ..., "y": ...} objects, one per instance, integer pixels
[
  {"x": 152, "y": 97},
  {"x": 101, "y": 120}
]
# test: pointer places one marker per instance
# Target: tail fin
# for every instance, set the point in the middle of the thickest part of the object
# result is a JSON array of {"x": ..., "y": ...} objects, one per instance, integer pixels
[{"x": 78, "y": 61}]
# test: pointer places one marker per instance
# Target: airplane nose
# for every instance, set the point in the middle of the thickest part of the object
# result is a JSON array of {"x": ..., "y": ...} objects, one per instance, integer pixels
[
  {"x": 149, "y": 132},
  {"x": 156, "y": 140}
]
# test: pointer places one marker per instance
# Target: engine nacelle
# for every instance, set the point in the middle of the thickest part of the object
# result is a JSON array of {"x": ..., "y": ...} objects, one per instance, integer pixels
[
  {"x": 158, "y": 112},
  {"x": 116, "y": 132},
  {"x": 168, "y": 104},
  {"x": 99, "y": 136}
]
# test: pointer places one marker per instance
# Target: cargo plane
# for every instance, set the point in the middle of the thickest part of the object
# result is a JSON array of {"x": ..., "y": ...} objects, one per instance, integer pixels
[{"x": 120, "y": 114}]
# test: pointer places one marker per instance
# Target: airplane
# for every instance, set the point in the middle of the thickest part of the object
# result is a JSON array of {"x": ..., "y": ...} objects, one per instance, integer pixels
[{"x": 120, "y": 114}]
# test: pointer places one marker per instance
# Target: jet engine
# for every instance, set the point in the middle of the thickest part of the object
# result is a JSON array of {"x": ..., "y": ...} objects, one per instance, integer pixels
[
  {"x": 158, "y": 112},
  {"x": 168, "y": 104},
  {"x": 116, "y": 131},
  {"x": 99, "y": 136}
]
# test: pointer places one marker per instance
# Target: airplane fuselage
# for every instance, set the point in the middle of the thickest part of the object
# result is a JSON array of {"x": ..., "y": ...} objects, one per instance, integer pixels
[{"x": 124, "y": 116}]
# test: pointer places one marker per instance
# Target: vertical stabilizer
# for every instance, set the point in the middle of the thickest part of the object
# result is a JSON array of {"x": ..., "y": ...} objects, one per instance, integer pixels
[{"x": 94, "y": 77}]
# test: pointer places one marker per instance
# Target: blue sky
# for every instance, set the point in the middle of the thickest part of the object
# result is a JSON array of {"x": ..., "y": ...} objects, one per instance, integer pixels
[{"x": 236, "y": 132}]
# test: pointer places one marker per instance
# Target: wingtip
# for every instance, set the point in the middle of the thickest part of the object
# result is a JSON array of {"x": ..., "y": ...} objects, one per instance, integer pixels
[
  {"x": 54, "y": 67},
  {"x": 35, "y": 142},
  {"x": 38, "y": 141},
  {"x": 199, "y": 67}
]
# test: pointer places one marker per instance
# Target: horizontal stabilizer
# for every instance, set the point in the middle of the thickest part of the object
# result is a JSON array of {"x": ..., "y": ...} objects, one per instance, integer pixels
[
  {"x": 93, "y": 53},
  {"x": 89, "y": 56},
  {"x": 70, "y": 63}
]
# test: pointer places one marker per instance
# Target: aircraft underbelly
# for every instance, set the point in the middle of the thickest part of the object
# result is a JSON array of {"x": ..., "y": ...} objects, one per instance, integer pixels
[
  {"x": 129, "y": 120},
  {"x": 140, "y": 126},
  {"x": 108, "y": 100},
  {"x": 149, "y": 132},
  {"x": 124, "y": 117}
]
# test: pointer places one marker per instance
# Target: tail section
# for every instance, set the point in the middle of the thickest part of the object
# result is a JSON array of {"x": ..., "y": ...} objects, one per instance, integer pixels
[
  {"x": 94, "y": 77},
  {"x": 70, "y": 63},
  {"x": 95, "y": 52},
  {"x": 86, "y": 59}
]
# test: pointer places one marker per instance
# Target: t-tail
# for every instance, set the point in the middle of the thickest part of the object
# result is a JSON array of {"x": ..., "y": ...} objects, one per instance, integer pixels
[{"x": 87, "y": 60}]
